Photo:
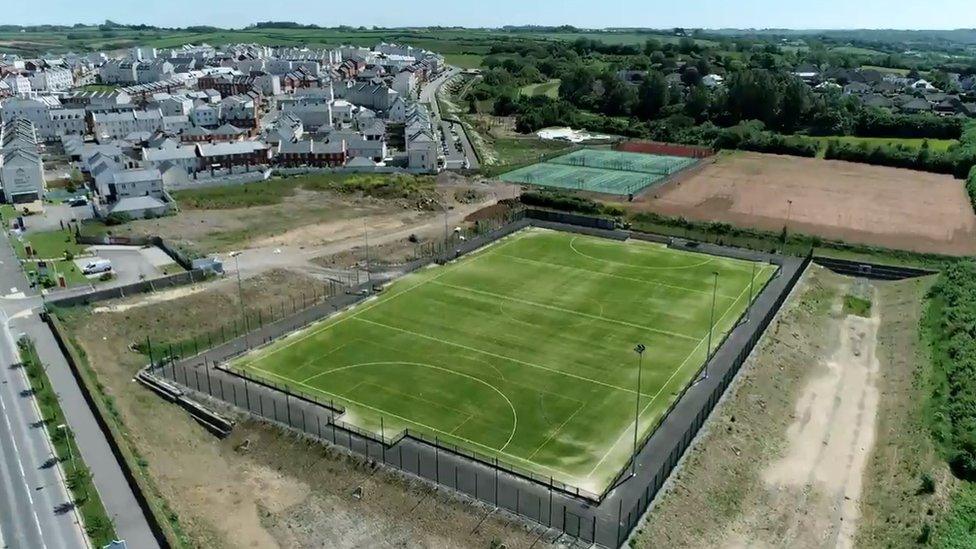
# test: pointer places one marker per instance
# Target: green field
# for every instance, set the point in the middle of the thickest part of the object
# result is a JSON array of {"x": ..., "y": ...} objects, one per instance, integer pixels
[
  {"x": 523, "y": 350},
  {"x": 548, "y": 89},
  {"x": 935, "y": 145}
]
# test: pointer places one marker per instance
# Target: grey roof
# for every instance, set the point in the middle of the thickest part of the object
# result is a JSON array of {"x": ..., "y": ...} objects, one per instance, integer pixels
[
  {"x": 136, "y": 175},
  {"x": 137, "y": 203},
  {"x": 234, "y": 147},
  {"x": 170, "y": 153}
]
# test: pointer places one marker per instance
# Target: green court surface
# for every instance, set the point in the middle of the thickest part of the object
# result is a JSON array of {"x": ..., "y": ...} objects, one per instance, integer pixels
[
  {"x": 600, "y": 170},
  {"x": 524, "y": 350}
]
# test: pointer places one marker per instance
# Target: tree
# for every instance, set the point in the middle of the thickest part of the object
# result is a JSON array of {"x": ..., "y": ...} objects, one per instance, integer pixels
[
  {"x": 652, "y": 45},
  {"x": 652, "y": 96},
  {"x": 753, "y": 95},
  {"x": 698, "y": 103},
  {"x": 691, "y": 77},
  {"x": 577, "y": 86},
  {"x": 618, "y": 97},
  {"x": 795, "y": 105}
]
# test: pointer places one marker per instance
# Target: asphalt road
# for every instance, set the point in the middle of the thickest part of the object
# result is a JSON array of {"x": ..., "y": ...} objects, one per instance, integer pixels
[
  {"x": 428, "y": 94},
  {"x": 29, "y": 492},
  {"x": 31, "y": 483}
]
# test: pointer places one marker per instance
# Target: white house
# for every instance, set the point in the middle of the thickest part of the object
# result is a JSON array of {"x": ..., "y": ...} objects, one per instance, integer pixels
[
  {"x": 117, "y": 125},
  {"x": 205, "y": 115},
  {"x": 51, "y": 80},
  {"x": 21, "y": 168},
  {"x": 405, "y": 83},
  {"x": 182, "y": 156},
  {"x": 19, "y": 84}
]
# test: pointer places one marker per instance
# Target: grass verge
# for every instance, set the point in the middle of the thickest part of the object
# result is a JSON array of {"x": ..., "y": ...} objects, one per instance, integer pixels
[
  {"x": 98, "y": 526},
  {"x": 274, "y": 191},
  {"x": 857, "y": 306},
  {"x": 107, "y": 410}
]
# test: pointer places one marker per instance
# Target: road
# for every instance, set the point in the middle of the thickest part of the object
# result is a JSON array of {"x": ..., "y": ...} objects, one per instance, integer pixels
[
  {"x": 428, "y": 94},
  {"x": 31, "y": 482},
  {"x": 29, "y": 492}
]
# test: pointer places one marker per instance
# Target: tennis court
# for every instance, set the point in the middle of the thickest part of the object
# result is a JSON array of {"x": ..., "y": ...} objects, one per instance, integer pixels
[{"x": 600, "y": 170}]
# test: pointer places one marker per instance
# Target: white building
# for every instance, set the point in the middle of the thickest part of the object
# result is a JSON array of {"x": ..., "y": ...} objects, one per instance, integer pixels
[
  {"x": 21, "y": 168},
  {"x": 117, "y": 125},
  {"x": 19, "y": 84},
  {"x": 182, "y": 156},
  {"x": 51, "y": 80}
]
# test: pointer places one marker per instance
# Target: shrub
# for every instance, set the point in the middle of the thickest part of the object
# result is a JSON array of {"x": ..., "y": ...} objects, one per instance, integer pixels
[
  {"x": 117, "y": 219},
  {"x": 951, "y": 328},
  {"x": 971, "y": 186},
  {"x": 561, "y": 201}
]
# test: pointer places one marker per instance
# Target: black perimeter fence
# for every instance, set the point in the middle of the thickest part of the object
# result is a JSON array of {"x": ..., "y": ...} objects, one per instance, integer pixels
[{"x": 607, "y": 519}]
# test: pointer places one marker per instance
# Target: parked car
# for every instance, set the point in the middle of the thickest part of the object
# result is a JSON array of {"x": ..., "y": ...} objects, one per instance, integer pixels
[{"x": 97, "y": 266}]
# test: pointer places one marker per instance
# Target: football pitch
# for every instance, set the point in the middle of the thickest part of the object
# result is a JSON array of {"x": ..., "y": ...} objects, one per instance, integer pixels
[{"x": 524, "y": 350}]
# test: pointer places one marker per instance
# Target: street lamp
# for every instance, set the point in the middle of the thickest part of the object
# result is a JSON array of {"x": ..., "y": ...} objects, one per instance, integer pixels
[
  {"x": 639, "y": 349},
  {"x": 67, "y": 434},
  {"x": 711, "y": 322},
  {"x": 240, "y": 293}
]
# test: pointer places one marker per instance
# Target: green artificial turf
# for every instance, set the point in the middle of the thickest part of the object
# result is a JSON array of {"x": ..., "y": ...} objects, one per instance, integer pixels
[{"x": 524, "y": 350}]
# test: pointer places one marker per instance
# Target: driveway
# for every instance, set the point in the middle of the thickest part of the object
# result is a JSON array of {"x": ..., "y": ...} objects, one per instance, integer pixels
[{"x": 130, "y": 264}]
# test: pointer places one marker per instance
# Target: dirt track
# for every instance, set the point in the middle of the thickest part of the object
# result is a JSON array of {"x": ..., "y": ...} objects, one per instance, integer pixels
[{"x": 888, "y": 207}]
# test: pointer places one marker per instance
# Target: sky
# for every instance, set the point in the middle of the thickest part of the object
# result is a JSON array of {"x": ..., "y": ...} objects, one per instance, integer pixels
[{"x": 794, "y": 14}]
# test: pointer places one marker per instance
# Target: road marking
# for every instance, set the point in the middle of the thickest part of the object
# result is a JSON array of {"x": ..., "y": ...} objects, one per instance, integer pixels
[
  {"x": 564, "y": 310},
  {"x": 23, "y": 476}
]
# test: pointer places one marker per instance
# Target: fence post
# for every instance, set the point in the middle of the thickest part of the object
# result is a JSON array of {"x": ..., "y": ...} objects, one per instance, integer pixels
[
  {"x": 437, "y": 461},
  {"x": 206, "y": 369},
  {"x": 247, "y": 398},
  {"x": 149, "y": 348},
  {"x": 288, "y": 408},
  {"x": 550, "y": 503},
  {"x": 496, "y": 481}
]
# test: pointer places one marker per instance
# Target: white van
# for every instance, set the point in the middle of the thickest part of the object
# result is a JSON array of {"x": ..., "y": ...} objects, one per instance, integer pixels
[{"x": 97, "y": 266}]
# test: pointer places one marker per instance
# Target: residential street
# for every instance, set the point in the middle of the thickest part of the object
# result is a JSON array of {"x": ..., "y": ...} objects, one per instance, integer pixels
[
  {"x": 30, "y": 492},
  {"x": 428, "y": 95}
]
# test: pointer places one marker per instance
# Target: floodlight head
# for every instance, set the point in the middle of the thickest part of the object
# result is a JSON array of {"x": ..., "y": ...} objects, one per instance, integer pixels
[{"x": 640, "y": 348}]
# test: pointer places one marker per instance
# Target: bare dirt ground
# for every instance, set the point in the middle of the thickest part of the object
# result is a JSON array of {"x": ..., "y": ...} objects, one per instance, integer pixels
[
  {"x": 800, "y": 454},
  {"x": 876, "y": 205},
  {"x": 274, "y": 490}
]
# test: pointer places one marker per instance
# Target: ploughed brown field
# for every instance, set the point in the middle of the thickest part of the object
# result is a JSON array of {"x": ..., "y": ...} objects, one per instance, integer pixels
[{"x": 890, "y": 207}]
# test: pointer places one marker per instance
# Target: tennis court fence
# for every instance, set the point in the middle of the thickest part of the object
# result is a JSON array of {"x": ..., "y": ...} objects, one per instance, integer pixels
[{"x": 666, "y": 149}]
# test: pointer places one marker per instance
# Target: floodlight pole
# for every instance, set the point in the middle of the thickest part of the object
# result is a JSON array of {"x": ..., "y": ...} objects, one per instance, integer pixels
[
  {"x": 240, "y": 295},
  {"x": 752, "y": 278},
  {"x": 366, "y": 239},
  {"x": 639, "y": 349},
  {"x": 445, "y": 230},
  {"x": 711, "y": 323}
]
